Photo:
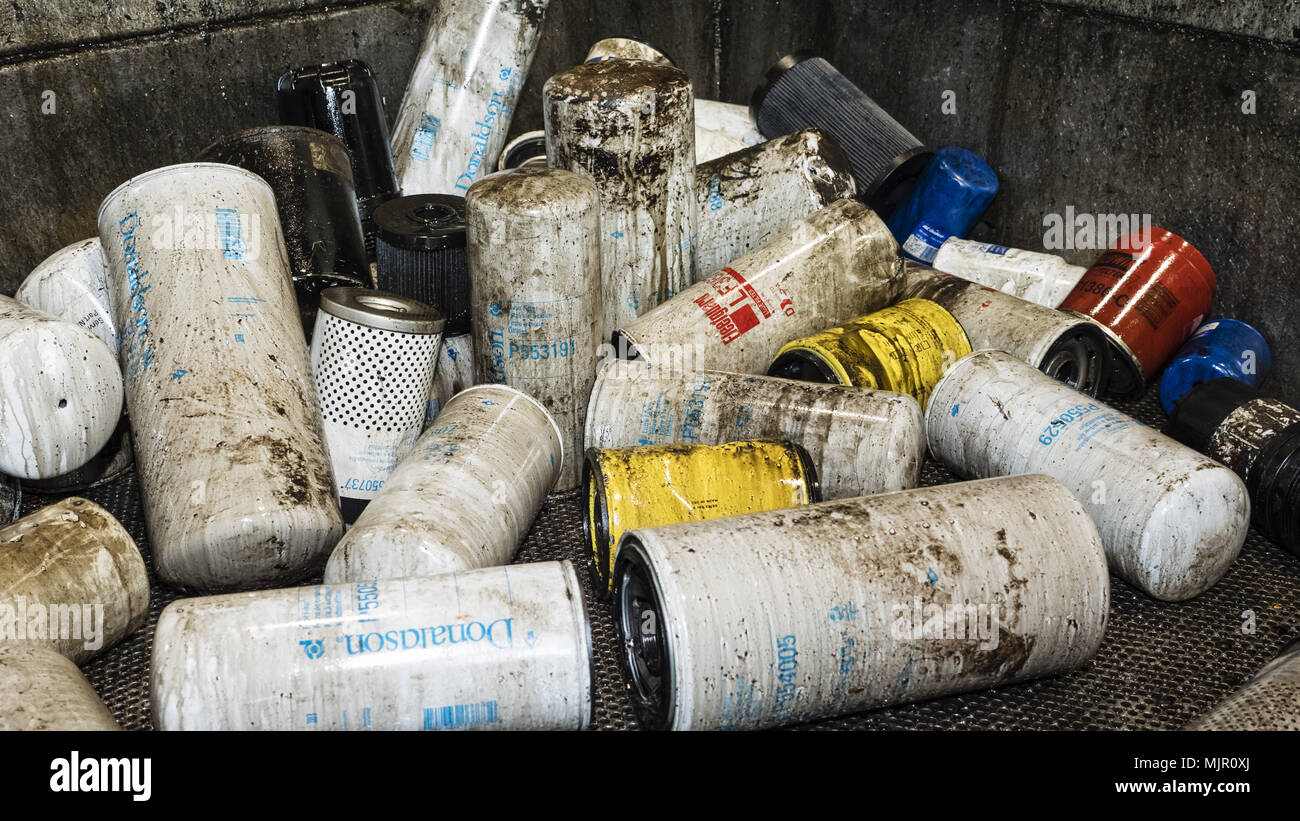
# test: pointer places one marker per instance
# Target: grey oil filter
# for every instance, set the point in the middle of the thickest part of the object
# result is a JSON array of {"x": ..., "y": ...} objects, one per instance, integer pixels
[
  {"x": 1067, "y": 347},
  {"x": 1171, "y": 519},
  {"x": 42, "y": 690},
  {"x": 462, "y": 92},
  {"x": 803, "y": 91},
  {"x": 793, "y": 615},
  {"x": 627, "y": 125},
  {"x": 506, "y": 648},
  {"x": 373, "y": 355},
  {"x": 534, "y": 256},
  {"x": 464, "y": 498},
  {"x": 836, "y": 264},
  {"x": 861, "y": 441},
  {"x": 1269, "y": 701},
  {"x": 71, "y": 580},
  {"x": 233, "y": 471},
  {"x": 1044, "y": 279},
  {"x": 746, "y": 198}
]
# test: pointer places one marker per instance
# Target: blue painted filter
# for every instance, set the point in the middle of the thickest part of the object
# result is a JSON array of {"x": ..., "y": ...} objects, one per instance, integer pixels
[
  {"x": 950, "y": 196},
  {"x": 1224, "y": 347}
]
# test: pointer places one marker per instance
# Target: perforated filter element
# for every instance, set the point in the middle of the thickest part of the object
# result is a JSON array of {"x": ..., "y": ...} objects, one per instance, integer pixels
[{"x": 1270, "y": 701}]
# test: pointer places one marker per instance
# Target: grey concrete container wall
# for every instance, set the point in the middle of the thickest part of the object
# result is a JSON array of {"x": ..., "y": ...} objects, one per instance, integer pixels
[{"x": 1100, "y": 106}]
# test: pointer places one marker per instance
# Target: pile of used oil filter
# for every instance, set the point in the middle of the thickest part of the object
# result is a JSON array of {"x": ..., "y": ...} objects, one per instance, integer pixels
[{"x": 678, "y": 414}]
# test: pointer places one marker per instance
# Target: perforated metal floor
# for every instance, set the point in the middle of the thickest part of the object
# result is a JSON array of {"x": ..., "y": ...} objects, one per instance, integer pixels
[{"x": 1160, "y": 665}]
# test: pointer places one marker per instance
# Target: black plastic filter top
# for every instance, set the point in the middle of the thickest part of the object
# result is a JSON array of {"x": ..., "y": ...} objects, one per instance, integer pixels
[
  {"x": 421, "y": 254},
  {"x": 802, "y": 91},
  {"x": 343, "y": 99}
]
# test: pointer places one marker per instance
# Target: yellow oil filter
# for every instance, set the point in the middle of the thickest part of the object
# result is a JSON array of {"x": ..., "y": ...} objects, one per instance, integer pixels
[
  {"x": 903, "y": 348},
  {"x": 654, "y": 485}
]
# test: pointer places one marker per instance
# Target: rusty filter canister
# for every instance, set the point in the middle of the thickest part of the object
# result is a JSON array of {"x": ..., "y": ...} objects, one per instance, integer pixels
[
  {"x": 42, "y": 690},
  {"x": 654, "y": 485},
  {"x": 504, "y": 648},
  {"x": 464, "y": 497},
  {"x": 1150, "y": 292},
  {"x": 746, "y": 198},
  {"x": 903, "y": 348},
  {"x": 534, "y": 258},
  {"x": 1044, "y": 279},
  {"x": 71, "y": 580},
  {"x": 1171, "y": 519},
  {"x": 229, "y": 447},
  {"x": 1269, "y": 701},
  {"x": 861, "y": 441},
  {"x": 792, "y": 615},
  {"x": 72, "y": 284},
  {"x": 462, "y": 92},
  {"x": 628, "y": 126},
  {"x": 1066, "y": 347},
  {"x": 836, "y": 264}
]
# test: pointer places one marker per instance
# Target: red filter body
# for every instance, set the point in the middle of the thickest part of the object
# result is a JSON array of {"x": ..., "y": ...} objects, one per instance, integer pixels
[{"x": 1150, "y": 294}]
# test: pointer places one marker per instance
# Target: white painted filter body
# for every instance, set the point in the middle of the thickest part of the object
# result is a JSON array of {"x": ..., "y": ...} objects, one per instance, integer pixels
[
  {"x": 42, "y": 690},
  {"x": 464, "y": 498},
  {"x": 234, "y": 473},
  {"x": 1044, "y": 279},
  {"x": 747, "y": 198},
  {"x": 861, "y": 441},
  {"x": 60, "y": 393},
  {"x": 721, "y": 125},
  {"x": 455, "y": 373},
  {"x": 1171, "y": 519},
  {"x": 534, "y": 259},
  {"x": 506, "y": 648},
  {"x": 72, "y": 284},
  {"x": 461, "y": 96},
  {"x": 625, "y": 48},
  {"x": 833, "y": 266},
  {"x": 787, "y": 616}
]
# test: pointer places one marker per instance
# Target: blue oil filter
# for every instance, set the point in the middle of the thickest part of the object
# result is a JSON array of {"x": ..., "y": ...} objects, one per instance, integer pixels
[
  {"x": 950, "y": 196},
  {"x": 1222, "y": 348}
]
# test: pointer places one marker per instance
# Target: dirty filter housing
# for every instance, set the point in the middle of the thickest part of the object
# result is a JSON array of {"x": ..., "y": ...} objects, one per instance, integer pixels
[{"x": 1269, "y": 701}]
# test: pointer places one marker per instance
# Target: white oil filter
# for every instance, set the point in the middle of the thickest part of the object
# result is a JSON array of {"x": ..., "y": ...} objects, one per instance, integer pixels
[
  {"x": 72, "y": 284},
  {"x": 1171, "y": 519},
  {"x": 625, "y": 48},
  {"x": 464, "y": 498},
  {"x": 1044, "y": 279},
  {"x": 373, "y": 354},
  {"x": 505, "y": 648},
  {"x": 234, "y": 474},
  {"x": 42, "y": 690},
  {"x": 455, "y": 373},
  {"x": 719, "y": 126}
]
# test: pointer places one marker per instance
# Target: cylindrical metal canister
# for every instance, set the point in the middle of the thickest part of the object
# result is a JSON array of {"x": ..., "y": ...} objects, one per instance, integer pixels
[
  {"x": 1171, "y": 519},
  {"x": 1259, "y": 438},
  {"x": 343, "y": 99},
  {"x": 534, "y": 258},
  {"x": 1224, "y": 347},
  {"x": 1044, "y": 279},
  {"x": 461, "y": 96},
  {"x": 787, "y": 616},
  {"x": 745, "y": 199},
  {"x": 1150, "y": 292},
  {"x": 454, "y": 374},
  {"x": 807, "y": 92},
  {"x": 903, "y": 348},
  {"x": 72, "y": 284},
  {"x": 947, "y": 201},
  {"x": 861, "y": 441},
  {"x": 655, "y": 485},
  {"x": 71, "y": 579},
  {"x": 42, "y": 690},
  {"x": 722, "y": 129},
  {"x": 838, "y": 263},
  {"x": 1066, "y": 347},
  {"x": 233, "y": 470},
  {"x": 464, "y": 498},
  {"x": 60, "y": 393},
  {"x": 528, "y": 150},
  {"x": 310, "y": 172},
  {"x": 628, "y": 126},
  {"x": 626, "y": 48},
  {"x": 504, "y": 648},
  {"x": 373, "y": 354},
  {"x": 1269, "y": 701}
]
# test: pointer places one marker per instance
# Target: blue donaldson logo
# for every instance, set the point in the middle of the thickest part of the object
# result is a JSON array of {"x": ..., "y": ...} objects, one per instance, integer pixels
[
  {"x": 498, "y": 634},
  {"x": 482, "y": 132},
  {"x": 1061, "y": 422},
  {"x": 314, "y": 648}
]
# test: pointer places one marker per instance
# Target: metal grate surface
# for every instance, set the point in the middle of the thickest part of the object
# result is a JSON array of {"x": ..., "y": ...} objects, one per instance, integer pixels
[{"x": 1160, "y": 665}]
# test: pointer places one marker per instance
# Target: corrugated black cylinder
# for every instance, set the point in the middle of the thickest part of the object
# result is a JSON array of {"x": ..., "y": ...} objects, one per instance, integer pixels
[
  {"x": 311, "y": 175},
  {"x": 343, "y": 99},
  {"x": 421, "y": 254},
  {"x": 802, "y": 91}
]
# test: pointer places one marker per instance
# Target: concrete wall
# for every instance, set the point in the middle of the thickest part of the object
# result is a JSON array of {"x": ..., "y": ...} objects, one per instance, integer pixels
[{"x": 1105, "y": 106}]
